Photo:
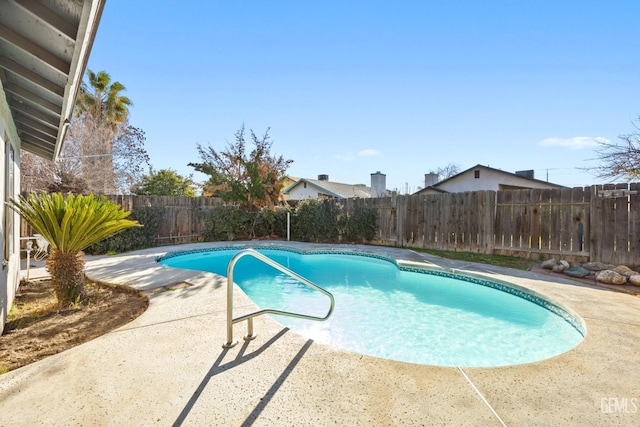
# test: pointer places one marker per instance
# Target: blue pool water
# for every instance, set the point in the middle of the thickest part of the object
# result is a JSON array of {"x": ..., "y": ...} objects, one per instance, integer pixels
[{"x": 380, "y": 310}]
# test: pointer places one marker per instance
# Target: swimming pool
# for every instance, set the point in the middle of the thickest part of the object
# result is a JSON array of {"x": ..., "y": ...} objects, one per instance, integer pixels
[{"x": 421, "y": 316}]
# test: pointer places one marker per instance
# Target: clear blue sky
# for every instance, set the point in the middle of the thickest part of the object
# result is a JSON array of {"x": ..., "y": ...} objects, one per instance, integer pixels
[{"x": 349, "y": 88}]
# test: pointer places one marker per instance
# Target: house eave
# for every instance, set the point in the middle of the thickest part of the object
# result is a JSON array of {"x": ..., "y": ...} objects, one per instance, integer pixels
[
  {"x": 44, "y": 50},
  {"x": 509, "y": 174}
]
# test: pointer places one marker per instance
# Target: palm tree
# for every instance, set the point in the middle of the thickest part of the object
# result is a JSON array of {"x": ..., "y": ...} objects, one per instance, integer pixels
[
  {"x": 102, "y": 113},
  {"x": 70, "y": 225},
  {"x": 102, "y": 100}
]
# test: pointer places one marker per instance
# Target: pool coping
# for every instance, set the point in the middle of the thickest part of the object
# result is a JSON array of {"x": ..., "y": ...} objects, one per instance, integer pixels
[{"x": 168, "y": 366}]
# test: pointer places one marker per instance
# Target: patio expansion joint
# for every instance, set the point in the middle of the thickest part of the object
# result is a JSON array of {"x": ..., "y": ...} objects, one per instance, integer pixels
[
  {"x": 603, "y": 320},
  {"x": 475, "y": 389}
]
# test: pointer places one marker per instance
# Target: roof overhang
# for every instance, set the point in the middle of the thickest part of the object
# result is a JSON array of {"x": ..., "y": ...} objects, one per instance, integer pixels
[
  {"x": 319, "y": 187},
  {"x": 44, "y": 49}
]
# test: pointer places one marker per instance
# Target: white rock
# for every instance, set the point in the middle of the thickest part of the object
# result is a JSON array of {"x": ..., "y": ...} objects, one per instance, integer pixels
[
  {"x": 561, "y": 266},
  {"x": 624, "y": 270},
  {"x": 634, "y": 279},
  {"x": 611, "y": 277}
]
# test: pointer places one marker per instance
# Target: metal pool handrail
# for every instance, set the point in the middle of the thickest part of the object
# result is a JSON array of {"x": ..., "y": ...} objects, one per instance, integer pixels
[{"x": 249, "y": 317}]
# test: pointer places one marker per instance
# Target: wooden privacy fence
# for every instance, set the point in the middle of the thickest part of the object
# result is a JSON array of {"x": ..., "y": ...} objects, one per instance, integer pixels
[
  {"x": 453, "y": 221},
  {"x": 181, "y": 222},
  {"x": 597, "y": 223},
  {"x": 545, "y": 222},
  {"x": 615, "y": 224}
]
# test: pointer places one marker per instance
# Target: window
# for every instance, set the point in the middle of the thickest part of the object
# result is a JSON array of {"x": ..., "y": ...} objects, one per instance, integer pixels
[{"x": 476, "y": 174}]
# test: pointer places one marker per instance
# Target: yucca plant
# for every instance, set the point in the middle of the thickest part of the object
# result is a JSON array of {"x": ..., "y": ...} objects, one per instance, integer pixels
[{"x": 70, "y": 224}]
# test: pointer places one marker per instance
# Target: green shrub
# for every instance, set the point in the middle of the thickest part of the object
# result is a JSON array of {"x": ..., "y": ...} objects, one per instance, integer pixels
[
  {"x": 238, "y": 223},
  {"x": 261, "y": 224},
  {"x": 227, "y": 223},
  {"x": 359, "y": 225},
  {"x": 312, "y": 220},
  {"x": 316, "y": 220},
  {"x": 279, "y": 227},
  {"x": 134, "y": 238},
  {"x": 270, "y": 223}
]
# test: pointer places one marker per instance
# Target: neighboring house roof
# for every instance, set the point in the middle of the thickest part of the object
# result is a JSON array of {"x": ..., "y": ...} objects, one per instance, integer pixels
[
  {"x": 431, "y": 189},
  {"x": 333, "y": 189},
  {"x": 514, "y": 180},
  {"x": 289, "y": 180},
  {"x": 286, "y": 182},
  {"x": 44, "y": 49}
]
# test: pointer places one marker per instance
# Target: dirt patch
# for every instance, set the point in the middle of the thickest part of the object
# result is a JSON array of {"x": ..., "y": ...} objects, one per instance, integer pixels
[{"x": 36, "y": 328}]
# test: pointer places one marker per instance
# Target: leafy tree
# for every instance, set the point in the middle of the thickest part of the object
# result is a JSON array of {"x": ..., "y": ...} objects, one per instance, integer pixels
[
  {"x": 165, "y": 182},
  {"x": 250, "y": 179},
  {"x": 621, "y": 160},
  {"x": 70, "y": 225}
]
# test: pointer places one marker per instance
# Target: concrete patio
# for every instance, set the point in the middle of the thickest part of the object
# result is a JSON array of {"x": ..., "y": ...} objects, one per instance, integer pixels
[{"x": 168, "y": 367}]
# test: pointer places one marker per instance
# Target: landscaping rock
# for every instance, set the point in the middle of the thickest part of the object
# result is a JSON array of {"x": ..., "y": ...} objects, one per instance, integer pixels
[
  {"x": 634, "y": 279},
  {"x": 561, "y": 266},
  {"x": 624, "y": 270},
  {"x": 611, "y": 277},
  {"x": 577, "y": 272},
  {"x": 597, "y": 266},
  {"x": 548, "y": 264}
]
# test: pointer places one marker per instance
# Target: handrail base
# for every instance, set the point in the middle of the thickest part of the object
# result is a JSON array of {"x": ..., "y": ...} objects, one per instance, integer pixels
[{"x": 230, "y": 344}]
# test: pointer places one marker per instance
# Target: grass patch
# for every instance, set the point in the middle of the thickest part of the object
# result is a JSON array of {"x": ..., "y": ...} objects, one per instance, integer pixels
[{"x": 499, "y": 260}]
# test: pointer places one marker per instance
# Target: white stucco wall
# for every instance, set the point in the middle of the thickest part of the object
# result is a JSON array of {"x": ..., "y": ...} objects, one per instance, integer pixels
[
  {"x": 9, "y": 275},
  {"x": 488, "y": 180},
  {"x": 301, "y": 193}
]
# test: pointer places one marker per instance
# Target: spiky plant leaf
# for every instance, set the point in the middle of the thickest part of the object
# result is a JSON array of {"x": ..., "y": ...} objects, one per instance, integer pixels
[
  {"x": 70, "y": 225},
  {"x": 73, "y": 223}
]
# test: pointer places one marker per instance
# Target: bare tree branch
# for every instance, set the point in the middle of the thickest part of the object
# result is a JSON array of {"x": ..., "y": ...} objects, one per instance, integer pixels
[
  {"x": 620, "y": 160},
  {"x": 448, "y": 171}
]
